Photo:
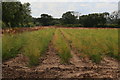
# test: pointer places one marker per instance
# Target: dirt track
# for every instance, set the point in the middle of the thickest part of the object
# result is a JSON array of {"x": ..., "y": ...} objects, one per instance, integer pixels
[{"x": 51, "y": 67}]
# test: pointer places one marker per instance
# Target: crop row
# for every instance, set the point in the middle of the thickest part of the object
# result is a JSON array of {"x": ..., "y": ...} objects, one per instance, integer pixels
[
  {"x": 61, "y": 47},
  {"x": 31, "y": 44},
  {"x": 94, "y": 43}
]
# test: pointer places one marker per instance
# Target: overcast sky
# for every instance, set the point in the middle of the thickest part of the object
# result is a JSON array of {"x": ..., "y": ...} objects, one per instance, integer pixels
[
  {"x": 69, "y": 0},
  {"x": 57, "y": 7}
]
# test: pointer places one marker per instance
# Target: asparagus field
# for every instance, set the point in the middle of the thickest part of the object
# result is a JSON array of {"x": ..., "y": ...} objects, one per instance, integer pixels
[{"x": 61, "y": 53}]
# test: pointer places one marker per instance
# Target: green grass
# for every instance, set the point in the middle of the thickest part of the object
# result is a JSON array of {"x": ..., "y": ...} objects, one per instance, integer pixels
[{"x": 62, "y": 47}]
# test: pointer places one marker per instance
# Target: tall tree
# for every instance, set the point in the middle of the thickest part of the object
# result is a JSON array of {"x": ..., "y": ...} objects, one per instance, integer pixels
[
  {"x": 27, "y": 18},
  {"x": 46, "y": 19},
  {"x": 114, "y": 17},
  {"x": 15, "y": 13},
  {"x": 69, "y": 18},
  {"x": 92, "y": 20}
]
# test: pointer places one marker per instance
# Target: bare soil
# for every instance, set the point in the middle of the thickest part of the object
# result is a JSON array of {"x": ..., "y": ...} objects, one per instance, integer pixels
[{"x": 50, "y": 67}]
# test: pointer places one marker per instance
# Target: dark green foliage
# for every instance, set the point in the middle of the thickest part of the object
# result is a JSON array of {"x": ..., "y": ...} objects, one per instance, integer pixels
[
  {"x": 36, "y": 21},
  {"x": 108, "y": 26},
  {"x": 55, "y": 22},
  {"x": 72, "y": 25},
  {"x": 118, "y": 21},
  {"x": 15, "y": 14},
  {"x": 69, "y": 18},
  {"x": 92, "y": 20},
  {"x": 45, "y": 19}
]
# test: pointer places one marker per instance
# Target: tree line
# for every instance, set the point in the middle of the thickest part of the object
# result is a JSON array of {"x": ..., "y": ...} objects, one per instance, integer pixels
[
  {"x": 69, "y": 19},
  {"x": 16, "y": 14}
]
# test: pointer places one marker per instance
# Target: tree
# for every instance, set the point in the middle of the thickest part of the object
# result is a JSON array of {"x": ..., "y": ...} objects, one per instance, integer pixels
[
  {"x": 8, "y": 11},
  {"x": 55, "y": 22},
  {"x": 46, "y": 19},
  {"x": 103, "y": 18},
  {"x": 15, "y": 13},
  {"x": 113, "y": 18},
  {"x": 69, "y": 18},
  {"x": 118, "y": 22},
  {"x": 27, "y": 18},
  {"x": 92, "y": 20},
  {"x": 36, "y": 21}
]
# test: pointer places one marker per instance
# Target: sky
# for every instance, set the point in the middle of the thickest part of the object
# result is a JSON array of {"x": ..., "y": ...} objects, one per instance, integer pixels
[
  {"x": 57, "y": 7},
  {"x": 69, "y": 0}
]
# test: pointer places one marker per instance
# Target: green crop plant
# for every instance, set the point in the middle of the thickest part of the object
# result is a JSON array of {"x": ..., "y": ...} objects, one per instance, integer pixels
[
  {"x": 94, "y": 42},
  {"x": 11, "y": 45},
  {"x": 62, "y": 47},
  {"x": 37, "y": 44}
]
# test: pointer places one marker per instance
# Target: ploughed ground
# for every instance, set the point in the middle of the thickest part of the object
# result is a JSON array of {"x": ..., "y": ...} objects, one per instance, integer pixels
[{"x": 50, "y": 66}]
